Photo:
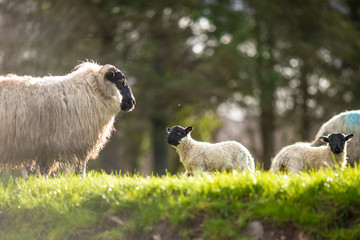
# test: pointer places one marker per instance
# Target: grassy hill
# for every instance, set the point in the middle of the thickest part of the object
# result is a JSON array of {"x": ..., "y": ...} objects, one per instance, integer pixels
[{"x": 316, "y": 205}]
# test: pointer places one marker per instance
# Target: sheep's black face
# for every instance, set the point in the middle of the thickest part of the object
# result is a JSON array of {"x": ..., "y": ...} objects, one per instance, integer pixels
[
  {"x": 337, "y": 141},
  {"x": 176, "y": 134},
  {"x": 128, "y": 100}
]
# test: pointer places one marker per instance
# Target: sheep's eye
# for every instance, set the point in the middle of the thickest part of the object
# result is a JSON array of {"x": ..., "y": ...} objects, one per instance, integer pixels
[
  {"x": 115, "y": 76},
  {"x": 119, "y": 76}
]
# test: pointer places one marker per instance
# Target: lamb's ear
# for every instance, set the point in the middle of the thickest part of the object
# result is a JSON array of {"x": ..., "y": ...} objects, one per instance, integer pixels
[
  {"x": 349, "y": 137},
  {"x": 189, "y": 129},
  {"x": 324, "y": 139},
  {"x": 168, "y": 129}
]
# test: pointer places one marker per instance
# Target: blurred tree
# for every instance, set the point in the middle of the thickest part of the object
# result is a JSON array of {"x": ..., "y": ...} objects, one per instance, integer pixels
[
  {"x": 288, "y": 57},
  {"x": 318, "y": 48},
  {"x": 351, "y": 65},
  {"x": 294, "y": 62},
  {"x": 166, "y": 67},
  {"x": 38, "y": 37}
]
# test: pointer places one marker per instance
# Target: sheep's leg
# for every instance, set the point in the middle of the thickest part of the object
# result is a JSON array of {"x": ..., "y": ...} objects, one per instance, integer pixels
[
  {"x": 44, "y": 166},
  {"x": 23, "y": 171},
  {"x": 31, "y": 169},
  {"x": 81, "y": 167}
]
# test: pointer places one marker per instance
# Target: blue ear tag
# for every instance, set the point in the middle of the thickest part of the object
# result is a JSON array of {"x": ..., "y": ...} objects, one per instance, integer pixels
[{"x": 352, "y": 120}]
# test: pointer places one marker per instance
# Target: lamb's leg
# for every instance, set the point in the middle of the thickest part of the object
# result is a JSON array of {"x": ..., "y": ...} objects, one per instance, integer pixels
[
  {"x": 294, "y": 166},
  {"x": 277, "y": 166},
  {"x": 186, "y": 173},
  {"x": 250, "y": 165},
  {"x": 198, "y": 171}
]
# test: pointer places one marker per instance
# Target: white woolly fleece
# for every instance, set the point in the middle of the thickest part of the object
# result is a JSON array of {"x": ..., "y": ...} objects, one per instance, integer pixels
[
  {"x": 56, "y": 118},
  {"x": 202, "y": 156},
  {"x": 302, "y": 156}
]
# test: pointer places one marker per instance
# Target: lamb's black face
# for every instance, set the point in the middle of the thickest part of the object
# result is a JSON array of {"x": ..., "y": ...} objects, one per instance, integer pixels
[
  {"x": 176, "y": 134},
  {"x": 337, "y": 141},
  {"x": 128, "y": 100}
]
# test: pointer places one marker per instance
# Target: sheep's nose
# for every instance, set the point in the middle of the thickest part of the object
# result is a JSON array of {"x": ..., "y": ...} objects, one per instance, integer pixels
[
  {"x": 337, "y": 150},
  {"x": 132, "y": 101},
  {"x": 128, "y": 104}
]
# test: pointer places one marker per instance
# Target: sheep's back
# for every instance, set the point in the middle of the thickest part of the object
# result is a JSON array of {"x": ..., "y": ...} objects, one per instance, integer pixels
[{"x": 298, "y": 156}]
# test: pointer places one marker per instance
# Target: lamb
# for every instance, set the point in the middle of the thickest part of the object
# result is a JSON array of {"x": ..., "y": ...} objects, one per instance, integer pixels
[
  {"x": 202, "y": 156},
  {"x": 63, "y": 120},
  {"x": 345, "y": 122},
  {"x": 302, "y": 156}
]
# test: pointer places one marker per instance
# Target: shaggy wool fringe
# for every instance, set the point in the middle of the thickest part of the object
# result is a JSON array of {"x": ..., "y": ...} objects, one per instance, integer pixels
[{"x": 56, "y": 119}]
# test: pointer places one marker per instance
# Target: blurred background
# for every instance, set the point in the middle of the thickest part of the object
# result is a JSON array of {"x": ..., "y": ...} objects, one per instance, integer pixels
[{"x": 264, "y": 72}]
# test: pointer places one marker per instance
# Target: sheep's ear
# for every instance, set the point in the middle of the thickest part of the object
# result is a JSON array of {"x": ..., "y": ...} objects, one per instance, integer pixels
[
  {"x": 349, "y": 137},
  {"x": 168, "y": 129},
  {"x": 114, "y": 75},
  {"x": 106, "y": 73},
  {"x": 324, "y": 139},
  {"x": 189, "y": 129}
]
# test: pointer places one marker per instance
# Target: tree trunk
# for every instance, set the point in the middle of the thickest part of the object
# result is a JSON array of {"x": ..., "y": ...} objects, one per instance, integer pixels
[
  {"x": 159, "y": 145},
  {"x": 266, "y": 79},
  {"x": 267, "y": 124},
  {"x": 305, "y": 118},
  {"x": 354, "y": 12}
]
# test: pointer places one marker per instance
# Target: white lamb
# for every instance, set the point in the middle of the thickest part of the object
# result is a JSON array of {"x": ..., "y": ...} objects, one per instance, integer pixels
[
  {"x": 202, "y": 156},
  {"x": 302, "y": 156}
]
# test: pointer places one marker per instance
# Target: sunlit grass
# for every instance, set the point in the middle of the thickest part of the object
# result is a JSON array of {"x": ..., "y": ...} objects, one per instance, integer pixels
[{"x": 324, "y": 204}]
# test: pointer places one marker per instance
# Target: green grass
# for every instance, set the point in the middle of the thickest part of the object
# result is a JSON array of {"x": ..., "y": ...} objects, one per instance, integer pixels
[{"x": 324, "y": 204}]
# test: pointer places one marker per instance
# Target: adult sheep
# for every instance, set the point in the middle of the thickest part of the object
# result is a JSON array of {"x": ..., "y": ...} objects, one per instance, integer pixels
[
  {"x": 345, "y": 122},
  {"x": 64, "y": 120}
]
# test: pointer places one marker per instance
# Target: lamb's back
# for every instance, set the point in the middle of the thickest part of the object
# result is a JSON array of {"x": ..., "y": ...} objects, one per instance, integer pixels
[{"x": 215, "y": 156}]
